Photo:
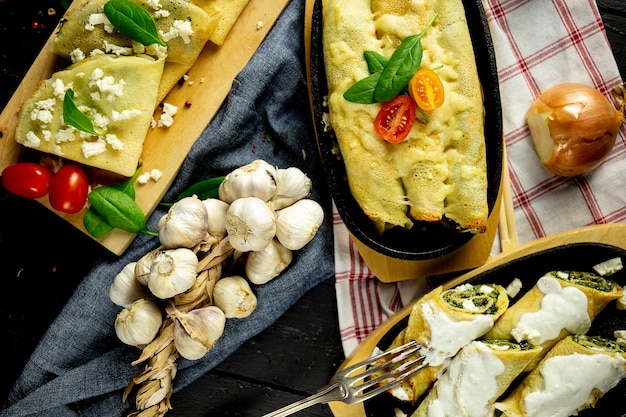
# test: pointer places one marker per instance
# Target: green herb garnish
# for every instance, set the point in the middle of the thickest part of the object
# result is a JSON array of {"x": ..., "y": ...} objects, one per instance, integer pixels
[
  {"x": 72, "y": 116},
  {"x": 133, "y": 21},
  {"x": 203, "y": 189},
  {"x": 114, "y": 206},
  {"x": 389, "y": 77}
]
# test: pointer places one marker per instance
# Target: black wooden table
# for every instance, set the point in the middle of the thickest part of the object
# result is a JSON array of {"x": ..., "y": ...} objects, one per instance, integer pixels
[{"x": 291, "y": 359}]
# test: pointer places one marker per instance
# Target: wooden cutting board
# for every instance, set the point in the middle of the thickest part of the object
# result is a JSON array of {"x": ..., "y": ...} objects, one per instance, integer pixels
[{"x": 211, "y": 78}]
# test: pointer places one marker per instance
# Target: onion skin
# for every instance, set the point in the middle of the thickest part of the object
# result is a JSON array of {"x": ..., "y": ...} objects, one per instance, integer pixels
[{"x": 573, "y": 127}]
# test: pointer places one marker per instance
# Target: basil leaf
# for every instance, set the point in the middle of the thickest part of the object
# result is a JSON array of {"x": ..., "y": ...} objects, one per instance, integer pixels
[
  {"x": 404, "y": 62},
  {"x": 133, "y": 21},
  {"x": 362, "y": 91},
  {"x": 203, "y": 189},
  {"x": 119, "y": 210},
  {"x": 127, "y": 186},
  {"x": 95, "y": 224},
  {"x": 72, "y": 116},
  {"x": 375, "y": 61}
]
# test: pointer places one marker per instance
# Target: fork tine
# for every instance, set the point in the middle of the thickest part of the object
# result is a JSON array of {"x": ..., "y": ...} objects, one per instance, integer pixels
[
  {"x": 397, "y": 354},
  {"x": 391, "y": 378}
]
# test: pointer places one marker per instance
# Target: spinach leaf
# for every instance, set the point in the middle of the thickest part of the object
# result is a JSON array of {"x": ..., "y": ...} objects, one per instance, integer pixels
[
  {"x": 133, "y": 21},
  {"x": 203, "y": 189},
  {"x": 362, "y": 91},
  {"x": 119, "y": 210},
  {"x": 72, "y": 116},
  {"x": 375, "y": 61},
  {"x": 404, "y": 62},
  {"x": 95, "y": 224}
]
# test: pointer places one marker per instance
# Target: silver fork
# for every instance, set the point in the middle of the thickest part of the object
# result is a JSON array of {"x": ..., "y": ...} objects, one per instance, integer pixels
[{"x": 351, "y": 386}]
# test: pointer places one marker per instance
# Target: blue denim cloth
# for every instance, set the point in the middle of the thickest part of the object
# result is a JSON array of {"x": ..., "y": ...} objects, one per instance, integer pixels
[{"x": 79, "y": 366}]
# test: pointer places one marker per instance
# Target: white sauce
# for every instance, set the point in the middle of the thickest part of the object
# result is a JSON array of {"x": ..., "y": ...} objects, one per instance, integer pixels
[
  {"x": 447, "y": 336},
  {"x": 569, "y": 381},
  {"x": 468, "y": 385},
  {"x": 561, "y": 308}
]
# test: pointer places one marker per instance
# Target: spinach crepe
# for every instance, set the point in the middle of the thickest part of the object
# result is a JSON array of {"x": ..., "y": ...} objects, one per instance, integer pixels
[
  {"x": 480, "y": 373},
  {"x": 445, "y": 321},
  {"x": 118, "y": 93},
  {"x": 559, "y": 304},
  {"x": 571, "y": 377}
]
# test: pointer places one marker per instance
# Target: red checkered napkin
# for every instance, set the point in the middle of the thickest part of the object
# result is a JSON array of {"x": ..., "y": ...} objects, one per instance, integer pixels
[{"x": 538, "y": 43}]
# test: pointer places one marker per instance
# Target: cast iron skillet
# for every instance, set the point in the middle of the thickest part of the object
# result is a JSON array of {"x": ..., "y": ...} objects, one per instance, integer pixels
[
  {"x": 423, "y": 241},
  {"x": 529, "y": 268}
]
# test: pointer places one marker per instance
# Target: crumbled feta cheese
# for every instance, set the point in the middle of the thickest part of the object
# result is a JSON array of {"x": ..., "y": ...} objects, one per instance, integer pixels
[
  {"x": 43, "y": 111},
  {"x": 64, "y": 135},
  {"x": 620, "y": 336},
  {"x": 59, "y": 88},
  {"x": 99, "y": 19},
  {"x": 93, "y": 148},
  {"x": 162, "y": 13},
  {"x": 100, "y": 121},
  {"x": 153, "y": 123},
  {"x": 514, "y": 287},
  {"x": 259, "y": 25},
  {"x": 155, "y": 174},
  {"x": 486, "y": 289},
  {"x": 469, "y": 305},
  {"x": 143, "y": 178},
  {"x": 77, "y": 55},
  {"x": 95, "y": 95},
  {"x": 609, "y": 267},
  {"x": 167, "y": 117},
  {"x": 125, "y": 114},
  {"x": 47, "y": 135},
  {"x": 96, "y": 52},
  {"x": 180, "y": 28},
  {"x": 32, "y": 140},
  {"x": 620, "y": 303},
  {"x": 114, "y": 142},
  {"x": 106, "y": 84},
  {"x": 117, "y": 50}
]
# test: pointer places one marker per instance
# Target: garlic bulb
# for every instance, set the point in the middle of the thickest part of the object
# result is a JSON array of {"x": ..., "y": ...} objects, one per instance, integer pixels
[
  {"x": 256, "y": 179},
  {"x": 125, "y": 288},
  {"x": 216, "y": 223},
  {"x": 234, "y": 296},
  {"x": 173, "y": 271},
  {"x": 291, "y": 185},
  {"x": 184, "y": 225},
  {"x": 250, "y": 223},
  {"x": 139, "y": 323},
  {"x": 266, "y": 264},
  {"x": 297, "y": 224},
  {"x": 144, "y": 266},
  {"x": 196, "y": 331}
]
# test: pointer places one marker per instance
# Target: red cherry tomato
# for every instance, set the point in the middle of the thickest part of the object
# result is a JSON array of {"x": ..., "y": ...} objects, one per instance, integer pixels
[
  {"x": 26, "y": 179},
  {"x": 395, "y": 119},
  {"x": 426, "y": 89},
  {"x": 68, "y": 189}
]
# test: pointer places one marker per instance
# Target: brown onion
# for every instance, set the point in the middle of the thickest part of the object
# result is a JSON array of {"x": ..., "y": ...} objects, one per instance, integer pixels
[{"x": 573, "y": 127}]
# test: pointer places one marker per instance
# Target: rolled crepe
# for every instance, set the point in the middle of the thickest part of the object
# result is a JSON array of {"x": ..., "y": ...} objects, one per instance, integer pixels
[
  {"x": 445, "y": 321},
  {"x": 475, "y": 378},
  {"x": 117, "y": 93},
  {"x": 571, "y": 377},
  {"x": 439, "y": 173},
  {"x": 559, "y": 304}
]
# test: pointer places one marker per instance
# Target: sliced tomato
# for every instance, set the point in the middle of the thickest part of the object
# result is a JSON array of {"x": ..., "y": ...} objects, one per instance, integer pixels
[
  {"x": 68, "y": 189},
  {"x": 395, "y": 119},
  {"x": 426, "y": 89},
  {"x": 26, "y": 179}
]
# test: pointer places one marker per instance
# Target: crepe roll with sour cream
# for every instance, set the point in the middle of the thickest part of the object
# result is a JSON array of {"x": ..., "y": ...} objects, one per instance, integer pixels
[
  {"x": 559, "y": 304},
  {"x": 480, "y": 373},
  {"x": 442, "y": 322},
  {"x": 571, "y": 377}
]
